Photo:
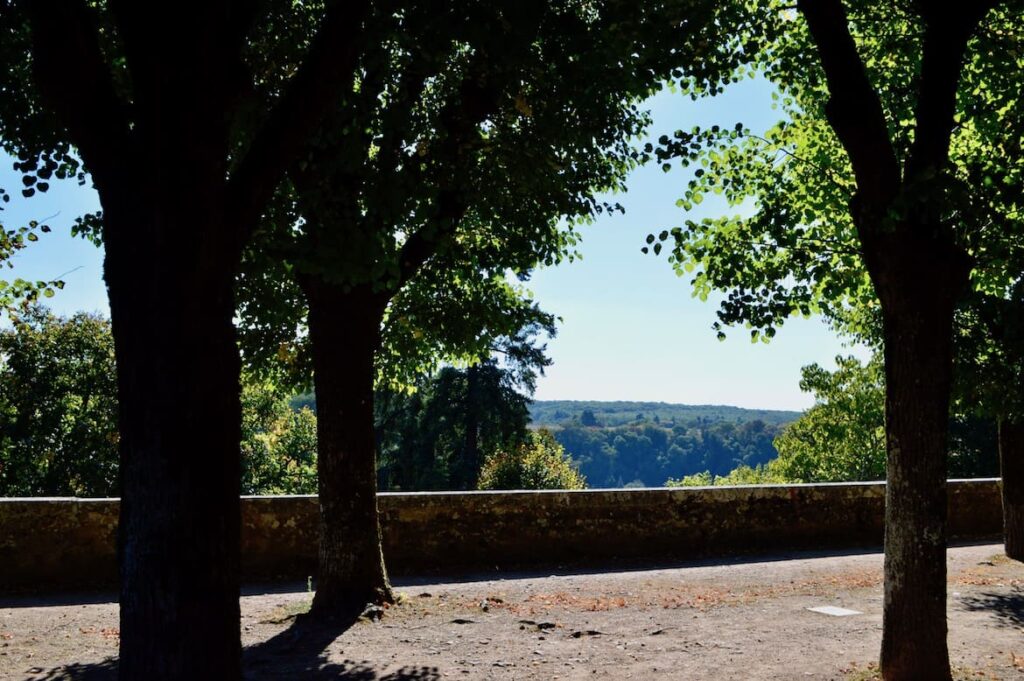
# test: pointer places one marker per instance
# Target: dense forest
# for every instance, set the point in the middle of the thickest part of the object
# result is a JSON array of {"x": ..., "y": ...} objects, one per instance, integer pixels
[
  {"x": 646, "y": 454},
  {"x": 643, "y": 444}
]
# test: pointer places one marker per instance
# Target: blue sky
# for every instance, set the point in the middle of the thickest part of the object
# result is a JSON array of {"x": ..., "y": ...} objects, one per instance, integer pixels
[{"x": 631, "y": 329}]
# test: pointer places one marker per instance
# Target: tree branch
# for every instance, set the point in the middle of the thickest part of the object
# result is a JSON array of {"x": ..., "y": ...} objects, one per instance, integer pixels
[
  {"x": 74, "y": 78},
  {"x": 419, "y": 248},
  {"x": 945, "y": 41},
  {"x": 475, "y": 101},
  {"x": 327, "y": 70},
  {"x": 854, "y": 109}
]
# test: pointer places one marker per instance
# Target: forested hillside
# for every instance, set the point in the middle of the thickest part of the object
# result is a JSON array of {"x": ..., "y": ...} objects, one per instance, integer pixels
[
  {"x": 620, "y": 444},
  {"x": 549, "y": 413}
]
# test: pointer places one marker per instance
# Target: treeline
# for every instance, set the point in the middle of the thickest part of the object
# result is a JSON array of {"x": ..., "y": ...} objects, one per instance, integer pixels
[
  {"x": 550, "y": 413},
  {"x": 647, "y": 454}
]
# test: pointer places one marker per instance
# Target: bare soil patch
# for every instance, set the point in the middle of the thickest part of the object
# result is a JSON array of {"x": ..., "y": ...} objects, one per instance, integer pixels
[{"x": 738, "y": 620}]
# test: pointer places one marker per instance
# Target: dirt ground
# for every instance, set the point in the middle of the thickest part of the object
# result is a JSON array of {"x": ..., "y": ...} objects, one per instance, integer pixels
[{"x": 734, "y": 620}]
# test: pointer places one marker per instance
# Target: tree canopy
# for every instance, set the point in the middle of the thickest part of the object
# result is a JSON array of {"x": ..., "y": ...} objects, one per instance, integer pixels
[
  {"x": 797, "y": 252},
  {"x": 58, "y": 406}
]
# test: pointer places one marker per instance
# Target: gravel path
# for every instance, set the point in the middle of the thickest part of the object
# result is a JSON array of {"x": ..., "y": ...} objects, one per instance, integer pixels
[{"x": 741, "y": 620}]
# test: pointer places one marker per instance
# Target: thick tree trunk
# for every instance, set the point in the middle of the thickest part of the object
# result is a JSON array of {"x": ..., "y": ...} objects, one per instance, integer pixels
[
  {"x": 180, "y": 414},
  {"x": 345, "y": 332},
  {"x": 1011, "y": 464},
  {"x": 918, "y": 290}
]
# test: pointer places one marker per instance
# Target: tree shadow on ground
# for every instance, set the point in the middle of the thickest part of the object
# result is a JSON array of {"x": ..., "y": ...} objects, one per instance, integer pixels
[
  {"x": 1007, "y": 608},
  {"x": 96, "y": 671},
  {"x": 299, "y": 652}
]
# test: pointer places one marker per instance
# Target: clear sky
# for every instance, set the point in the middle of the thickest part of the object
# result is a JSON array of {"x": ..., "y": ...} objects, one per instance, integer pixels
[{"x": 631, "y": 329}]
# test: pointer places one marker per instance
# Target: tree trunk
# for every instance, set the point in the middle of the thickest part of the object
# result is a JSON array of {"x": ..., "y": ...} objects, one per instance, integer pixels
[
  {"x": 918, "y": 288},
  {"x": 180, "y": 413},
  {"x": 1011, "y": 464},
  {"x": 345, "y": 332},
  {"x": 468, "y": 470}
]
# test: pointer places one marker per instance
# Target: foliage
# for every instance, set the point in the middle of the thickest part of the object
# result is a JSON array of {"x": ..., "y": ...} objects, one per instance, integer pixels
[
  {"x": 742, "y": 475},
  {"x": 58, "y": 406},
  {"x": 798, "y": 252},
  {"x": 21, "y": 293},
  {"x": 278, "y": 442},
  {"x": 539, "y": 463},
  {"x": 973, "y": 446},
  {"x": 842, "y": 437},
  {"x": 58, "y": 415},
  {"x": 439, "y": 436},
  {"x": 29, "y": 133},
  {"x": 649, "y": 453},
  {"x": 989, "y": 346}
]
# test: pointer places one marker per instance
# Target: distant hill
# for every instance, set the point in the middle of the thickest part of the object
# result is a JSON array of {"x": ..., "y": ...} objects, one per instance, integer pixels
[{"x": 550, "y": 413}]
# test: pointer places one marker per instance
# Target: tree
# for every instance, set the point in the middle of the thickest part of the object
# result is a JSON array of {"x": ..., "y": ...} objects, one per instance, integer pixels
[
  {"x": 472, "y": 143},
  {"x": 58, "y": 414},
  {"x": 58, "y": 406},
  {"x": 439, "y": 436},
  {"x": 648, "y": 453},
  {"x": 867, "y": 175},
  {"x": 842, "y": 437},
  {"x": 990, "y": 371},
  {"x": 540, "y": 463},
  {"x": 156, "y": 102}
]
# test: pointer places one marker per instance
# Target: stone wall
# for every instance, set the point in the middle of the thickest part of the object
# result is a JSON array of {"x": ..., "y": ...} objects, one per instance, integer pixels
[{"x": 66, "y": 543}]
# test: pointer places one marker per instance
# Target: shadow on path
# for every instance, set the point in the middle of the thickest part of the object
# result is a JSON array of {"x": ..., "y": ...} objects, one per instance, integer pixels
[
  {"x": 1007, "y": 608},
  {"x": 299, "y": 652},
  {"x": 97, "y": 671},
  {"x": 399, "y": 580}
]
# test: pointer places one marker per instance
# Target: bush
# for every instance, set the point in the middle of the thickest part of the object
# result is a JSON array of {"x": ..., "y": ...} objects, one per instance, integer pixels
[
  {"x": 744, "y": 475},
  {"x": 540, "y": 463}
]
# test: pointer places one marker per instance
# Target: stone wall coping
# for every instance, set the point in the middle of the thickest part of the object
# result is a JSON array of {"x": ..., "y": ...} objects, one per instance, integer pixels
[{"x": 540, "y": 492}]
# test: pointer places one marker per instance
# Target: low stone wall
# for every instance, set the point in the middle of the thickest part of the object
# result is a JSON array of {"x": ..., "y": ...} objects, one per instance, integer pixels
[{"x": 66, "y": 543}]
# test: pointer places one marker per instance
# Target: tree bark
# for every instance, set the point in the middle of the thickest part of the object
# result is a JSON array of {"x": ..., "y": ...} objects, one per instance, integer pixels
[
  {"x": 1011, "y": 464},
  {"x": 466, "y": 474},
  {"x": 918, "y": 283},
  {"x": 180, "y": 413},
  {"x": 344, "y": 328}
]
